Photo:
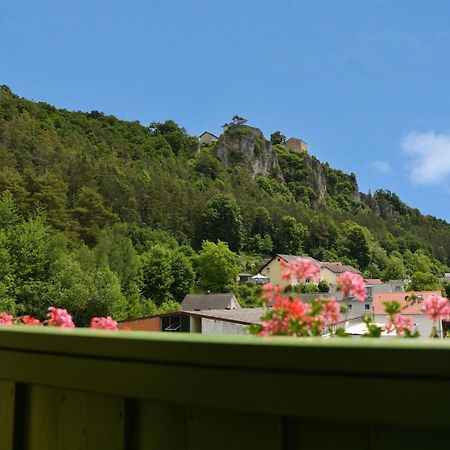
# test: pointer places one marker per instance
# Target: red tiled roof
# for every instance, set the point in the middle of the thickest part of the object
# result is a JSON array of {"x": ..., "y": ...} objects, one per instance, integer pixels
[{"x": 410, "y": 305}]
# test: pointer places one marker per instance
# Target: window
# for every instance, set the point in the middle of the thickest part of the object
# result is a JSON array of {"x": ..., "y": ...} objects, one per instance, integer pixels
[
  {"x": 366, "y": 306},
  {"x": 174, "y": 324},
  {"x": 268, "y": 270}
]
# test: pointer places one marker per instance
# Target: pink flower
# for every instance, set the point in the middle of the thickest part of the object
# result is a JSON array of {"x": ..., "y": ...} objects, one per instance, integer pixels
[
  {"x": 352, "y": 285},
  {"x": 6, "y": 319},
  {"x": 59, "y": 318},
  {"x": 104, "y": 323},
  {"x": 332, "y": 310},
  {"x": 300, "y": 270},
  {"x": 436, "y": 307},
  {"x": 30, "y": 320},
  {"x": 398, "y": 324},
  {"x": 270, "y": 292}
]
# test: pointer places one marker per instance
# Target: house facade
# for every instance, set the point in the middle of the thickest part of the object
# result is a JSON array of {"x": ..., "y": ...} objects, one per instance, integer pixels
[
  {"x": 207, "y": 138},
  {"x": 411, "y": 303},
  {"x": 272, "y": 269},
  {"x": 331, "y": 270},
  {"x": 296, "y": 145}
]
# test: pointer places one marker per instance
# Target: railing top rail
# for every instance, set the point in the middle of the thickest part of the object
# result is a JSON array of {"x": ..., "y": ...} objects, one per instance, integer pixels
[
  {"x": 338, "y": 355},
  {"x": 281, "y": 376}
]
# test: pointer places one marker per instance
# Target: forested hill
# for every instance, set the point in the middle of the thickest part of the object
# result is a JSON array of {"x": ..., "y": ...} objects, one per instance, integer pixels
[{"x": 88, "y": 174}]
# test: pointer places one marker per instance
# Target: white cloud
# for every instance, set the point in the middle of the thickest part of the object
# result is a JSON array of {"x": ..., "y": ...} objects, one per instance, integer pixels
[
  {"x": 430, "y": 156},
  {"x": 381, "y": 166}
]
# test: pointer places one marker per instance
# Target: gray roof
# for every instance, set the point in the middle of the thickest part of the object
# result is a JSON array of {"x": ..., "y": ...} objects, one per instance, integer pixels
[
  {"x": 200, "y": 302},
  {"x": 337, "y": 267},
  {"x": 208, "y": 132},
  {"x": 289, "y": 258},
  {"x": 241, "y": 315}
]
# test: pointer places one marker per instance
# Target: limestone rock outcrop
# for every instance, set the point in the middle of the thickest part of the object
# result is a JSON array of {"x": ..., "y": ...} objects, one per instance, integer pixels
[{"x": 242, "y": 145}]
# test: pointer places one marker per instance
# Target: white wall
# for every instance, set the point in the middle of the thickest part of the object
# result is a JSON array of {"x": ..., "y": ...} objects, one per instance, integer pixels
[
  {"x": 358, "y": 307},
  {"x": 212, "y": 326},
  {"x": 424, "y": 324}
]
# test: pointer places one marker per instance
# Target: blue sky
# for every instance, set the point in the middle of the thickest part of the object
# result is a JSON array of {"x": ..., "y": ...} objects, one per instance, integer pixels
[{"x": 365, "y": 82}]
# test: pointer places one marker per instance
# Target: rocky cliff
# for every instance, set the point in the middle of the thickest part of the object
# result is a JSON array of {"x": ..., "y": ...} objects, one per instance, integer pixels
[{"x": 246, "y": 146}]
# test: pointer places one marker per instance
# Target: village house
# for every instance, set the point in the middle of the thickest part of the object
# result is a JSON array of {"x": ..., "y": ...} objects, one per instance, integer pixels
[
  {"x": 296, "y": 145},
  {"x": 411, "y": 303},
  {"x": 374, "y": 286},
  {"x": 331, "y": 270},
  {"x": 272, "y": 269},
  {"x": 207, "y": 138}
]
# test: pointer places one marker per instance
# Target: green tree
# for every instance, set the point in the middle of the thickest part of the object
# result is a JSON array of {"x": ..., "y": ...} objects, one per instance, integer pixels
[
  {"x": 262, "y": 223},
  {"x": 7, "y": 302},
  {"x": 8, "y": 211},
  {"x": 157, "y": 274},
  {"x": 356, "y": 243},
  {"x": 11, "y": 180},
  {"x": 323, "y": 233},
  {"x": 260, "y": 245},
  {"x": 218, "y": 266},
  {"x": 221, "y": 221},
  {"x": 84, "y": 289},
  {"x": 421, "y": 281},
  {"x": 183, "y": 276},
  {"x": 323, "y": 286},
  {"x": 175, "y": 135},
  {"x": 446, "y": 286},
  {"x": 50, "y": 191},
  {"x": 114, "y": 250},
  {"x": 238, "y": 120},
  {"x": 277, "y": 138},
  {"x": 395, "y": 269},
  {"x": 92, "y": 214},
  {"x": 291, "y": 236}
]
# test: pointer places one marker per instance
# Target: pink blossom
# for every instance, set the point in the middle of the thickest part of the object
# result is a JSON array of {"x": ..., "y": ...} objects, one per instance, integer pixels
[
  {"x": 6, "y": 319},
  {"x": 270, "y": 292},
  {"x": 352, "y": 285},
  {"x": 30, "y": 320},
  {"x": 436, "y": 307},
  {"x": 300, "y": 270},
  {"x": 104, "y": 323},
  {"x": 398, "y": 324},
  {"x": 59, "y": 318},
  {"x": 332, "y": 310}
]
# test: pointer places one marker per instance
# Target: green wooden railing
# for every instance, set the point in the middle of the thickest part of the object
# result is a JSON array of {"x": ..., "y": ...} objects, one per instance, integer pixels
[{"x": 85, "y": 389}]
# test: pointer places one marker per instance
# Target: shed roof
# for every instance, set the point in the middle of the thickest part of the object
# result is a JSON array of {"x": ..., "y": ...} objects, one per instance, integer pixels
[
  {"x": 411, "y": 302},
  {"x": 241, "y": 315},
  {"x": 201, "y": 302}
]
